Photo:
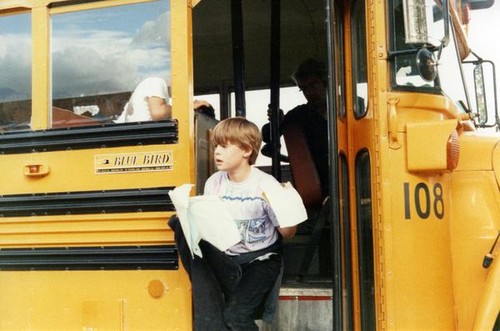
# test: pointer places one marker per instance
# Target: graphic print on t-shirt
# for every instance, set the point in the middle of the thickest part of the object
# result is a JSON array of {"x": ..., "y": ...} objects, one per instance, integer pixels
[{"x": 252, "y": 230}]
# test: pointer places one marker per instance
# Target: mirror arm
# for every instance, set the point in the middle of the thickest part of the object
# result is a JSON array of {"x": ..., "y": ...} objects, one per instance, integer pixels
[
  {"x": 446, "y": 19},
  {"x": 392, "y": 54}
]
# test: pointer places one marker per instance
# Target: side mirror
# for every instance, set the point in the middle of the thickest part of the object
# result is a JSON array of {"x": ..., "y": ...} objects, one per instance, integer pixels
[
  {"x": 482, "y": 108},
  {"x": 479, "y": 4},
  {"x": 426, "y": 65}
]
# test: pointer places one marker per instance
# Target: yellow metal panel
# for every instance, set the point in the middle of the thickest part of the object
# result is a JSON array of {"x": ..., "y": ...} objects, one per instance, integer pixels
[
  {"x": 87, "y": 300},
  {"x": 15, "y": 4},
  {"x": 427, "y": 145},
  {"x": 473, "y": 144},
  {"x": 474, "y": 227},
  {"x": 86, "y": 230},
  {"x": 94, "y": 5},
  {"x": 78, "y": 168},
  {"x": 182, "y": 82},
  {"x": 418, "y": 270},
  {"x": 496, "y": 163},
  {"x": 41, "y": 68},
  {"x": 489, "y": 303}
]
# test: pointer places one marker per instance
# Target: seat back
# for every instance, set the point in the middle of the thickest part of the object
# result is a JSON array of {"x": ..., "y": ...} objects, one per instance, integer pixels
[{"x": 304, "y": 172}]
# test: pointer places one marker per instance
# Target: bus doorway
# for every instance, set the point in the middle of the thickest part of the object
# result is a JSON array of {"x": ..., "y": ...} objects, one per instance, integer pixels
[{"x": 246, "y": 34}]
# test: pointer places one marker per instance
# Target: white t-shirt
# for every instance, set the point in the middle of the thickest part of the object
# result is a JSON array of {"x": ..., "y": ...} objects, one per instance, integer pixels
[
  {"x": 253, "y": 215},
  {"x": 137, "y": 108}
]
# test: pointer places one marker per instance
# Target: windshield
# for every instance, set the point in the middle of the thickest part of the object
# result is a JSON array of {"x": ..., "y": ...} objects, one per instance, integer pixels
[{"x": 407, "y": 70}]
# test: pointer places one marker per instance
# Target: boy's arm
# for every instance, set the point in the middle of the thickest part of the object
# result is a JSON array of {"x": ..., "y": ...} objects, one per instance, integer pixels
[{"x": 288, "y": 232}]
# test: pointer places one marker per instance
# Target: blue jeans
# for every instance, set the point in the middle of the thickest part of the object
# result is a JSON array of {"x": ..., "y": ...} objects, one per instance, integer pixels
[{"x": 228, "y": 291}]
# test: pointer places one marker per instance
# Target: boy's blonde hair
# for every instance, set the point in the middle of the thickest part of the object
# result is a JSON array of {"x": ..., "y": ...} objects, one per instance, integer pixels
[{"x": 240, "y": 132}]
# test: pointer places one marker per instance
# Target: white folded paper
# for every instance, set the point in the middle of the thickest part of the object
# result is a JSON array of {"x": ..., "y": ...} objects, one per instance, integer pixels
[
  {"x": 285, "y": 202},
  {"x": 204, "y": 217}
]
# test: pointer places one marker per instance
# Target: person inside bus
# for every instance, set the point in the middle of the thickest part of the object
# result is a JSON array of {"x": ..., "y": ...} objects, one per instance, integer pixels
[
  {"x": 311, "y": 78},
  {"x": 148, "y": 102},
  {"x": 203, "y": 107},
  {"x": 229, "y": 288}
]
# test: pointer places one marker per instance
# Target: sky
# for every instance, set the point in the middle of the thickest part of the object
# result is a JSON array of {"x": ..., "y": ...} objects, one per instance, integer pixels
[
  {"x": 484, "y": 33},
  {"x": 483, "y": 41},
  {"x": 122, "y": 46}
]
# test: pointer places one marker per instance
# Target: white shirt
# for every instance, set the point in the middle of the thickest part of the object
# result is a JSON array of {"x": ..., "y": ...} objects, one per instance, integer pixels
[
  {"x": 137, "y": 108},
  {"x": 252, "y": 213}
]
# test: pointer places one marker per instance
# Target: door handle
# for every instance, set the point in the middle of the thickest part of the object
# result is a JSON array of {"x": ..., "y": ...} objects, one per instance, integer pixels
[{"x": 36, "y": 170}]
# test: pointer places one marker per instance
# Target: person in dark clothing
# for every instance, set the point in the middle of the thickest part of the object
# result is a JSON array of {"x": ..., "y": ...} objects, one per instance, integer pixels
[{"x": 311, "y": 79}]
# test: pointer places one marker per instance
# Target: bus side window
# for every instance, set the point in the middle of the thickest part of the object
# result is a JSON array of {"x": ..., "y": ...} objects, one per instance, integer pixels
[
  {"x": 359, "y": 58},
  {"x": 96, "y": 67},
  {"x": 15, "y": 64}
]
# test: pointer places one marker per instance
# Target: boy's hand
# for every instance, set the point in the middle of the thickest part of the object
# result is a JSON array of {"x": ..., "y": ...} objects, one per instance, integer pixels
[{"x": 288, "y": 232}]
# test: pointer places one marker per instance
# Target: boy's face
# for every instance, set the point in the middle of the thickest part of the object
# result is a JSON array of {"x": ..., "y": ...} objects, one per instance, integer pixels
[{"x": 231, "y": 157}]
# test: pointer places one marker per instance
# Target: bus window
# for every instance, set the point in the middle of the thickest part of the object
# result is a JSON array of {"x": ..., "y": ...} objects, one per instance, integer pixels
[
  {"x": 339, "y": 63},
  {"x": 406, "y": 73},
  {"x": 365, "y": 240},
  {"x": 99, "y": 56},
  {"x": 15, "y": 80},
  {"x": 359, "y": 58},
  {"x": 348, "y": 296}
]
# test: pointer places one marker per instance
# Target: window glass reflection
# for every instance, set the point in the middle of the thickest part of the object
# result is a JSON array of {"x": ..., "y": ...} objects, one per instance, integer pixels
[
  {"x": 99, "y": 57},
  {"x": 15, "y": 66},
  {"x": 359, "y": 59}
]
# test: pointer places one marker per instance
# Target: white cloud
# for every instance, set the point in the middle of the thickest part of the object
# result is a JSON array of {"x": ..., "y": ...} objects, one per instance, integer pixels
[
  {"x": 483, "y": 33},
  {"x": 15, "y": 66},
  {"x": 88, "y": 61},
  {"x": 88, "y": 58}
]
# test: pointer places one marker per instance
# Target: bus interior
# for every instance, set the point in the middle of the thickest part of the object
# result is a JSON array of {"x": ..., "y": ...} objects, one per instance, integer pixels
[{"x": 244, "y": 54}]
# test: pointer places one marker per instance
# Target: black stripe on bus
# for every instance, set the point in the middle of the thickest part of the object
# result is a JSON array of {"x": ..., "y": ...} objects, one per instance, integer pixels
[
  {"x": 93, "y": 202},
  {"x": 90, "y": 258},
  {"x": 105, "y": 135}
]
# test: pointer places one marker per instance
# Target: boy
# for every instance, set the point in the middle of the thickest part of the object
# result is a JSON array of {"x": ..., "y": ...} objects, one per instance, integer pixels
[{"x": 231, "y": 286}]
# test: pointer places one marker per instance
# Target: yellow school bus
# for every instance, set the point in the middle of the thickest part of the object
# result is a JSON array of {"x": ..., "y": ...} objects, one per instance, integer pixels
[{"x": 407, "y": 240}]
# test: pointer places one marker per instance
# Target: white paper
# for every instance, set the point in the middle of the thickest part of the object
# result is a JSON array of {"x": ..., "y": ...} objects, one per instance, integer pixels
[
  {"x": 213, "y": 221},
  {"x": 285, "y": 202},
  {"x": 180, "y": 199},
  {"x": 204, "y": 217}
]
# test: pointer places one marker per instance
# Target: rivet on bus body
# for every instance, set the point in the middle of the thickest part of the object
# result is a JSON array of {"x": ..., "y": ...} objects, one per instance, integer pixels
[{"x": 156, "y": 288}]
